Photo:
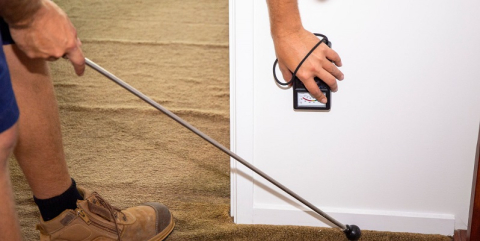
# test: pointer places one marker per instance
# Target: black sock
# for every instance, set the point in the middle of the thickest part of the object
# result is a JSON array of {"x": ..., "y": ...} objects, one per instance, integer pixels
[{"x": 52, "y": 207}]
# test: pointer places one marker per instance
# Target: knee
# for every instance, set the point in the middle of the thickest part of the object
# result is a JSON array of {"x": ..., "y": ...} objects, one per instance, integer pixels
[{"x": 8, "y": 139}]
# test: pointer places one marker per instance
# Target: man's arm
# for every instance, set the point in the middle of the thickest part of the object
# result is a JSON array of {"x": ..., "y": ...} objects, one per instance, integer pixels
[
  {"x": 42, "y": 30},
  {"x": 292, "y": 42},
  {"x": 18, "y": 12},
  {"x": 284, "y": 17}
]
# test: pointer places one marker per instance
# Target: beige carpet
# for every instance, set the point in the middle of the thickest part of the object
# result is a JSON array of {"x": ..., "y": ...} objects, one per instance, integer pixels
[{"x": 177, "y": 53}]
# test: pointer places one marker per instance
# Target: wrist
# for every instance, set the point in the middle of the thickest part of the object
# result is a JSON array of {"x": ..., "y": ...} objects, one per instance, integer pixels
[{"x": 286, "y": 30}]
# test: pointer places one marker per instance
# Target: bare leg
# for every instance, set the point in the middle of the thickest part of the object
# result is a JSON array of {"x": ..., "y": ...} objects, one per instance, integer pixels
[
  {"x": 40, "y": 154},
  {"x": 9, "y": 227},
  {"x": 39, "y": 150}
]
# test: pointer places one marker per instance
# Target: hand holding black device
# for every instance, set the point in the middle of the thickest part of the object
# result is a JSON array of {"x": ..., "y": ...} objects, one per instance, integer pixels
[{"x": 301, "y": 97}]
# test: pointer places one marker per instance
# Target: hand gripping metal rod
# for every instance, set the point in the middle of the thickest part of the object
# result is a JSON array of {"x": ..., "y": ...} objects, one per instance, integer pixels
[{"x": 209, "y": 139}]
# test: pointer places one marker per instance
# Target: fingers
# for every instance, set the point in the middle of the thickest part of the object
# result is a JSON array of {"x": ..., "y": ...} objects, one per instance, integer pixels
[
  {"x": 330, "y": 62},
  {"x": 76, "y": 57},
  {"x": 332, "y": 69},
  {"x": 324, "y": 65},
  {"x": 329, "y": 73},
  {"x": 313, "y": 89},
  {"x": 78, "y": 61},
  {"x": 333, "y": 56}
]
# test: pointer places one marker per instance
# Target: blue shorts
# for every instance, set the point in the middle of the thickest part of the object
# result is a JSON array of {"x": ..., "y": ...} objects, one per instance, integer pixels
[
  {"x": 6, "y": 37},
  {"x": 8, "y": 105}
]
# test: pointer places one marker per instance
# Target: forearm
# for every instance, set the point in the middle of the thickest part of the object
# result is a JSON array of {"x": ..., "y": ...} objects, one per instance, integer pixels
[
  {"x": 19, "y": 13},
  {"x": 284, "y": 17}
]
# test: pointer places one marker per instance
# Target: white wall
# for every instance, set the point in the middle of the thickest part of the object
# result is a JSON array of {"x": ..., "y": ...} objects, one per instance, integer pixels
[{"x": 397, "y": 149}]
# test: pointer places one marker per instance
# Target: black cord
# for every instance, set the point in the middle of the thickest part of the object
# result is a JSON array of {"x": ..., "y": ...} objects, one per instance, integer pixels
[{"x": 324, "y": 40}]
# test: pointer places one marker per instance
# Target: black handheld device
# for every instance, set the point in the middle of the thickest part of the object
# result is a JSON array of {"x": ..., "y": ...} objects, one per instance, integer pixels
[{"x": 303, "y": 100}]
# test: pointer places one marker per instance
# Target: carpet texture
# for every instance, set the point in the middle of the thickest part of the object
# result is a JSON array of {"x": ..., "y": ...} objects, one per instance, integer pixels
[{"x": 176, "y": 52}]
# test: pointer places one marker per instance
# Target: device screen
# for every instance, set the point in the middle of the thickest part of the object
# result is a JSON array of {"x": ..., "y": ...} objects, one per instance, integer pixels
[{"x": 304, "y": 99}]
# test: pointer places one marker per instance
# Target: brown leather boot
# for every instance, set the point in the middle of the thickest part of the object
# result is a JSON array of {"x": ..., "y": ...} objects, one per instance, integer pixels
[{"x": 96, "y": 219}]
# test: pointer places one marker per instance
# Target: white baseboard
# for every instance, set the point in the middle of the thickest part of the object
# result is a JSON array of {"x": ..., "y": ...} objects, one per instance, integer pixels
[{"x": 423, "y": 223}]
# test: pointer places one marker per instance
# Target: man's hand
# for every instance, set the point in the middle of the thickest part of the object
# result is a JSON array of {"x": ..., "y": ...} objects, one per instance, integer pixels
[
  {"x": 49, "y": 34},
  {"x": 292, "y": 44},
  {"x": 292, "y": 48}
]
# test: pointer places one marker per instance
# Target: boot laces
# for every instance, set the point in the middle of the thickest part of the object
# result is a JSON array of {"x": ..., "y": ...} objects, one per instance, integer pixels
[{"x": 113, "y": 212}]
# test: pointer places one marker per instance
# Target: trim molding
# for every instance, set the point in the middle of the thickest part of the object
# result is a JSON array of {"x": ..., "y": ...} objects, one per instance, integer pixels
[
  {"x": 473, "y": 232},
  {"x": 241, "y": 114},
  {"x": 424, "y": 223}
]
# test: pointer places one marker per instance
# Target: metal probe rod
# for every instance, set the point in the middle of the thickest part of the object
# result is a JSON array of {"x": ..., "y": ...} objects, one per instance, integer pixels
[{"x": 209, "y": 139}]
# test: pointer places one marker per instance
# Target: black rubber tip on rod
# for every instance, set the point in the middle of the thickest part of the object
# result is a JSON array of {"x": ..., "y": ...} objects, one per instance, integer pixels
[{"x": 352, "y": 232}]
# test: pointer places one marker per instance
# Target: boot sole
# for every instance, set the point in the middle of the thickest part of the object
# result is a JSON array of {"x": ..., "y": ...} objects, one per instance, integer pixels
[{"x": 164, "y": 234}]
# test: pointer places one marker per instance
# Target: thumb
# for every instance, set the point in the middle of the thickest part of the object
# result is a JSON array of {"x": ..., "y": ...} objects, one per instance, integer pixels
[{"x": 286, "y": 73}]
